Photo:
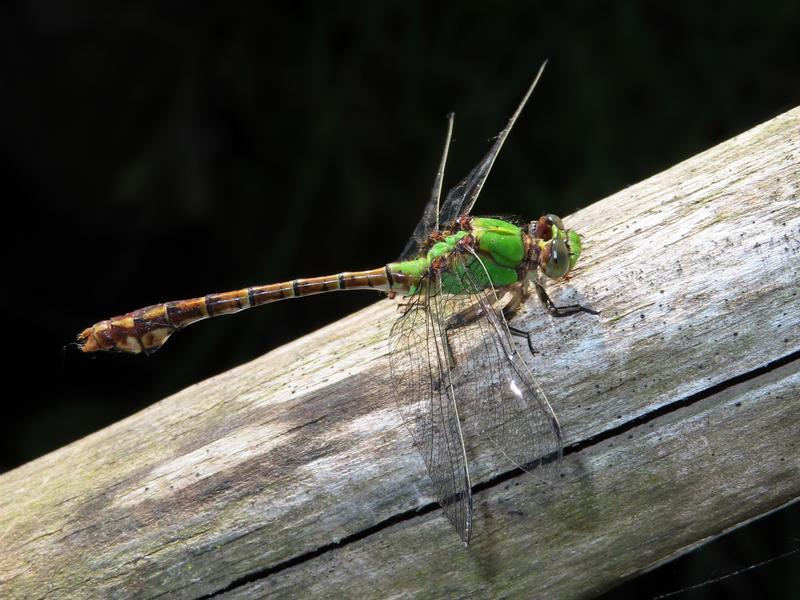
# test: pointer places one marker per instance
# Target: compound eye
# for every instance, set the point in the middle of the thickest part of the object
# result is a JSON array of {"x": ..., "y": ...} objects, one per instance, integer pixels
[
  {"x": 544, "y": 227},
  {"x": 554, "y": 259}
]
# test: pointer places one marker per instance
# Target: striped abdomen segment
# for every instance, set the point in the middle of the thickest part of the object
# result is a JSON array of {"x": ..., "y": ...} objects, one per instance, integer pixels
[{"x": 146, "y": 329}]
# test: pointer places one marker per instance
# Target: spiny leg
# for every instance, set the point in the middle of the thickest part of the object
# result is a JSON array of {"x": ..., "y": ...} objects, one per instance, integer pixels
[
  {"x": 517, "y": 294},
  {"x": 406, "y": 302},
  {"x": 553, "y": 310},
  {"x": 517, "y": 332},
  {"x": 460, "y": 319},
  {"x": 509, "y": 302},
  {"x": 560, "y": 311}
]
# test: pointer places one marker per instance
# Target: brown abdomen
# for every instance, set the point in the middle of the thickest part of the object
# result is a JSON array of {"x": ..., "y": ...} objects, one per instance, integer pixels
[{"x": 146, "y": 330}]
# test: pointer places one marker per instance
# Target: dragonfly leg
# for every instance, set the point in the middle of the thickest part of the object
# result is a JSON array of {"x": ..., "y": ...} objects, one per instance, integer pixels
[
  {"x": 556, "y": 311},
  {"x": 511, "y": 301},
  {"x": 508, "y": 303},
  {"x": 408, "y": 302},
  {"x": 460, "y": 319},
  {"x": 560, "y": 311},
  {"x": 516, "y": 332}
]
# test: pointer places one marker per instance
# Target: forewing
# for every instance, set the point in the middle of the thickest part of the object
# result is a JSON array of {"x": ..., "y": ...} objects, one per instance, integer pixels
[
  {"x": 423, "y": 230},
  {"x": 429, "y": 221},
  {"x": 421, "y": 379},
  {"x": 494, "y": 383},
  {"x": 461, "y": 198}
]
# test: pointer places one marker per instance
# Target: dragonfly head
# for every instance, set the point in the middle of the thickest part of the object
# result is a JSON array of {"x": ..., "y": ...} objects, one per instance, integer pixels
[{"x": 553, "y": 249}]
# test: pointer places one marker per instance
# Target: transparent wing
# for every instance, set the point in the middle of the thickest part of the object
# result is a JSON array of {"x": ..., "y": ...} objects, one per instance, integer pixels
[
  {"x": 461, "y": 198},
  {"x": 421, "y": 377},
  {"x": 430, "y": 216},
  {"x": 491, "y": 380}
]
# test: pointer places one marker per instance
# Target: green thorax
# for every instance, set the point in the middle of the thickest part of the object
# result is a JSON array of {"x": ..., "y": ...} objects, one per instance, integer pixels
[{"x": 499, "y": 244}]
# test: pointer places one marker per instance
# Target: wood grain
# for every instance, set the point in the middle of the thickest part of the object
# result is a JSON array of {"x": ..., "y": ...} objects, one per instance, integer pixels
[{"x": 292, "y": 475}]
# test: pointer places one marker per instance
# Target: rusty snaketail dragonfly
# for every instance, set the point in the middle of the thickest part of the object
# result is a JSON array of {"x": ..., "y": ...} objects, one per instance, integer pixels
[{"x": 451, "y": 349}]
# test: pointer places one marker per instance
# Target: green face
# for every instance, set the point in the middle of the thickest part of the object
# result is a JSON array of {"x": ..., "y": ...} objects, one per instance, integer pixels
[
  {"x": 574, "y": 245},
  {"x": 559, "y": 248}
]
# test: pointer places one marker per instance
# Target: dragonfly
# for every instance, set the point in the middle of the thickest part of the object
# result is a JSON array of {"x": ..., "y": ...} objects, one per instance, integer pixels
[{"x": 452, "y": 356}]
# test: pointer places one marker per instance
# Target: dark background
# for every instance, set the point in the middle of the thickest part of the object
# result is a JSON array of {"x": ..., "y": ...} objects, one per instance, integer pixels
[{"x": 151, "y": 154}]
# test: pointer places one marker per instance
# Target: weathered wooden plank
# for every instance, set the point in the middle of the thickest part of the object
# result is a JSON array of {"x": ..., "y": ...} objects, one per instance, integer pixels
[
  {"x": 695, "y": 271},
  {"x": 624, "y": 505}
]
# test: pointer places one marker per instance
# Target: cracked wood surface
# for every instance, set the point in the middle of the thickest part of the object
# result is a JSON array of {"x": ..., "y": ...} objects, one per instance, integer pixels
[{"x": 247, "y": 482}]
